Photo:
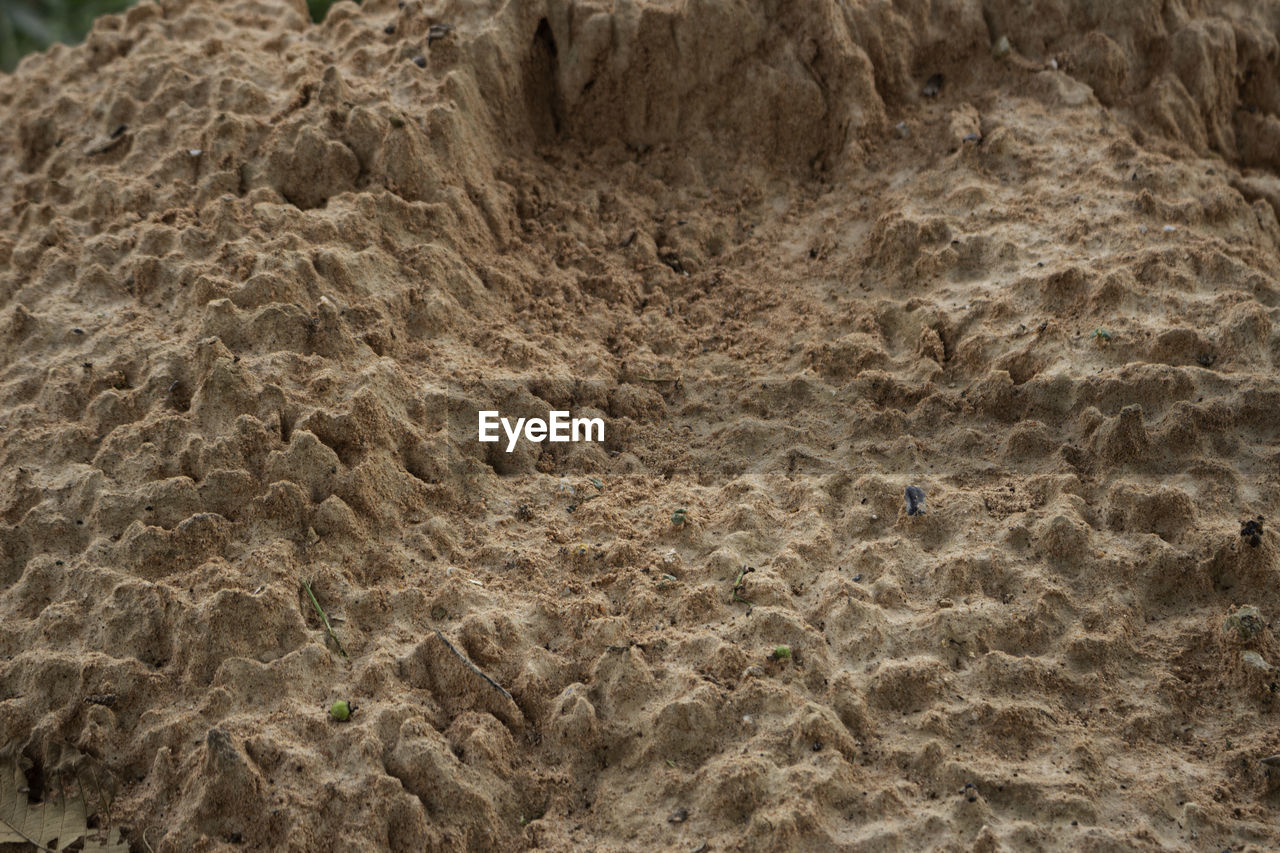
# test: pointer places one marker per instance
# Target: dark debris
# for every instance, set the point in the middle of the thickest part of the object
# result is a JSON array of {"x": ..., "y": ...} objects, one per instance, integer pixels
[{"x": 1251, "y": 530}]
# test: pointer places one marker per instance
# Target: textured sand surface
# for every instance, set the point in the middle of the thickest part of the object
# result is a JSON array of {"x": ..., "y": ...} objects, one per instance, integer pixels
[{"x": 258, "y": 275}]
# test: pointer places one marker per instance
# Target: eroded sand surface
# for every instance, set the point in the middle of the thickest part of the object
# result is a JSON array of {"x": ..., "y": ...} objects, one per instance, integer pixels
[{"x": 258, "y": 275}]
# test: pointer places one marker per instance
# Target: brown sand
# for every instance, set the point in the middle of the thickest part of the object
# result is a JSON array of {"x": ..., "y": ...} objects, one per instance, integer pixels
[{"x": 257, "y": 276}]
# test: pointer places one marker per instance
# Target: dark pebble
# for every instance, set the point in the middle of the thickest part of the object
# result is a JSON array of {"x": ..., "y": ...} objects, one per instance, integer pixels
[
  {"x": 420, "y": 61},
  {"x": 932, "y": 87},
  {"x": 915, "y": 500},
  {"x": 389, "y": 29},
  {"x": 1251, "y": 530}
]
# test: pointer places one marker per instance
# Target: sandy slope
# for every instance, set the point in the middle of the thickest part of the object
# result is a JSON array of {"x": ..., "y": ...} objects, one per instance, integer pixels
[{"x": 257, "y": 277}]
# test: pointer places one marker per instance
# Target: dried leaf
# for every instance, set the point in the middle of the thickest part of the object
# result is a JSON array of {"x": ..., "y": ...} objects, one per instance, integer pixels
[{"x": 52, "y": 825}]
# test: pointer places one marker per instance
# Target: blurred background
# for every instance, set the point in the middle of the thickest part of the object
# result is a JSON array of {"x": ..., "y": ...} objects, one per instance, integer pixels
[{"x": 29, "y": 25}]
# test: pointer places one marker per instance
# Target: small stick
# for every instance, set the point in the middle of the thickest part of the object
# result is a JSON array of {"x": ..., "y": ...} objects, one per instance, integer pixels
[
  {"x": 1271, "y": 760},
  {"x": 323, "y": 617},
  {"x": 477, "y": 670},
  {"x": 737, "y": 586}
]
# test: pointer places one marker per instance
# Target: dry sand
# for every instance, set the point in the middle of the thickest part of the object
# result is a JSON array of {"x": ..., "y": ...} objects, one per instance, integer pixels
[{"x": 257, "y": 276}]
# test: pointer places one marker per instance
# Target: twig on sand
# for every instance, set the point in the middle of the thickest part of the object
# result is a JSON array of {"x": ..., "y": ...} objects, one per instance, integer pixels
[
  {"x": 324, "y": 618},
  {"x": 477, "y": 670},
  {"x": 737, "y": 586}
]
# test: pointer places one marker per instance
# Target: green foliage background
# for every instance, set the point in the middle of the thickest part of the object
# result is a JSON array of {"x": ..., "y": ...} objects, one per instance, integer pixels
[{"x": 28, "y": 25}]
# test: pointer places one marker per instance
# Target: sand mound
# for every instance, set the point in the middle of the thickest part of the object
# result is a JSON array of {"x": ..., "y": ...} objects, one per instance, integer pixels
[{"x": 257, "y": 276}]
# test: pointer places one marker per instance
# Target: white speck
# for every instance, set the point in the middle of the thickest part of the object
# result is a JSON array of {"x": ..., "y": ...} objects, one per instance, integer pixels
[
  {"x": 1169, "y": 229},
  {"x": 670, "y": 557},
  {"x": 875, "y": 518},
  {"x": 449, "y": 571},
  {"x": 901, "y": 127},
  {"x": 746, "y": 718},
  {"x": 1053, "y": 63},
  {"x": 474, "y": 581},
  {"x": 1142, "y": 229},
  {"x": 194, "y": 152}
]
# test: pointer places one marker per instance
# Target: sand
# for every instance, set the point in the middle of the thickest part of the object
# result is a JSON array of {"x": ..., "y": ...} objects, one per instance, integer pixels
[{"x": 257, "y": 277}]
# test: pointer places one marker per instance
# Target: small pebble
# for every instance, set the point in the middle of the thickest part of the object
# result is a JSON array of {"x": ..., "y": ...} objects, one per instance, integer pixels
[
  {"x": 1251, "y": 530},
  {"x": 420, "y": 61},
  {"x": 389, "y": 29},
  {"x": 1001, "y": 47},
  {"x": 901, "y": 127},
  {"x": 1256, "y": 661},
  {"x": 915, "y": 501},
  {"x": 1169, "y": 229},
  {"x": 680, "y": 815},
  {"x": 932, "y": 87}
]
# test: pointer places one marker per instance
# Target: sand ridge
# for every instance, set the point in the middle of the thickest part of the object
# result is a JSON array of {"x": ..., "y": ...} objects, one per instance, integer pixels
[{"x": 259, "y": 275}]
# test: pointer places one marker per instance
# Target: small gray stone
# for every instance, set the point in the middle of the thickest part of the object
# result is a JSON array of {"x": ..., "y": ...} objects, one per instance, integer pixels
[{"x": 915, "y": 501}]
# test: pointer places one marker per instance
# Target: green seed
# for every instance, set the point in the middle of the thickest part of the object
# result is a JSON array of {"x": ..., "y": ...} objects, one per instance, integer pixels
[
  {"x": 782, "y": 653},
  {"x": 340, "y": 710}
]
